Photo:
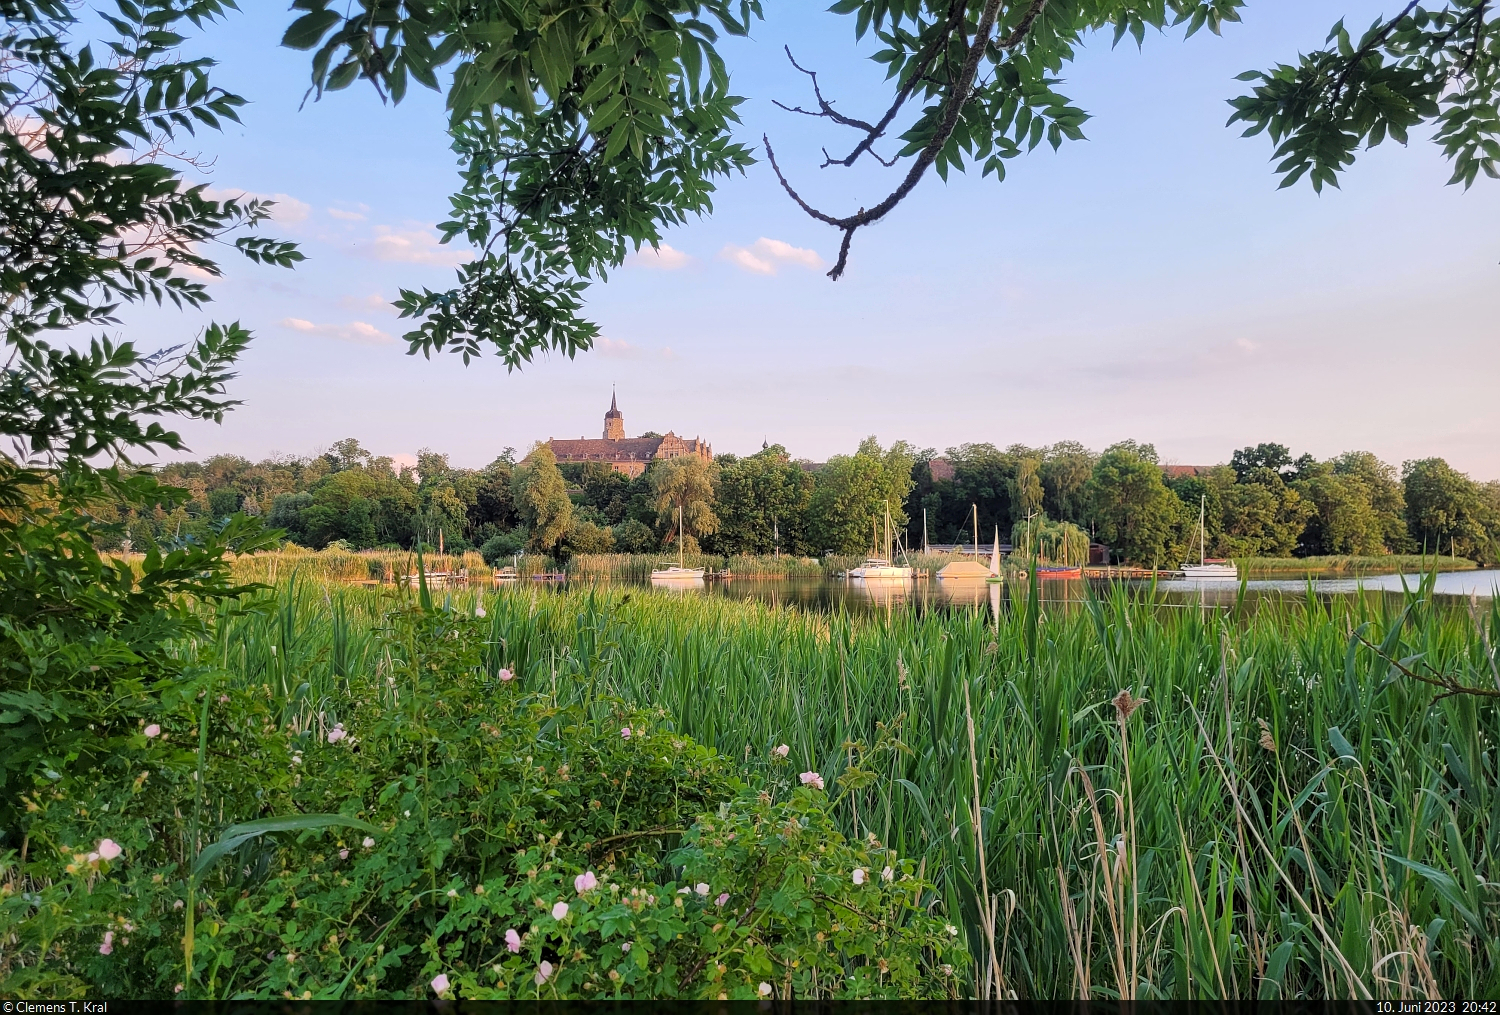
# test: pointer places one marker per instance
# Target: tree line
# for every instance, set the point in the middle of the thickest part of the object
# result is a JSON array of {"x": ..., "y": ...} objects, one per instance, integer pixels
[{"x": 1054, "y": 500}]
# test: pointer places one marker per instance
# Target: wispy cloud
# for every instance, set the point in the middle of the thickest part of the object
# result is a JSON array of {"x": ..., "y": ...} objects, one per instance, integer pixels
[
  {"x": 348, "y": 216},
  {"x": 374, "y": 301},
  {"x": 615, "y": 348},
  {"x": 413, "y": 246},
  {"x": 663, "y": 257},
  {"x": 288, "y": 210},
  {"x": 354, "y": 331},
  {"x": 767, "y": 256}
]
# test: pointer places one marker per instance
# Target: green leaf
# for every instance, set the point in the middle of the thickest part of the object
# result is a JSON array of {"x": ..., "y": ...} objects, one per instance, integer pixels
[
  {"x": 236, "y": 835},
  {"x": 1341, "y": 746},
  {"x": 305, "y": 32}
]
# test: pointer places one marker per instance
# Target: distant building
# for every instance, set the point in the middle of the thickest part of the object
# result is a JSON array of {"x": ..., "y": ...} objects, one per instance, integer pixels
[
  {"x": 628, "y": 455},
  {"x": 1179, "y": 471}
]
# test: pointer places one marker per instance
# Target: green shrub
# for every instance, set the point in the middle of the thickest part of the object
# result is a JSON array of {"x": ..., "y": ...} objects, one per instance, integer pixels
[{"x": 489, "y": 800}]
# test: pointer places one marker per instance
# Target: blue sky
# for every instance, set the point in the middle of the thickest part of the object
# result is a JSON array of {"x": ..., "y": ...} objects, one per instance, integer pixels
[{"x": 1150, "y": 282}]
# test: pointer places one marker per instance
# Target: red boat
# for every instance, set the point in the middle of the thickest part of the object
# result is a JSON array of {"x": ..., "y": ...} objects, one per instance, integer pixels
[{"x": 1044, "y": 573}]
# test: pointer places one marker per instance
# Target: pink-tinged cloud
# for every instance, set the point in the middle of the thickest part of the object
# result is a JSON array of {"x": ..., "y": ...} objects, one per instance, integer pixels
[
  {"x": 374, "y": 301},
  {"x": 615, "y": 348},
  {"x": 413, "y": 246},
  {"x": 355, "y": 331},
  {"x": 345, "y": 216},
  {"x": 766, "y": 256},
  {"x": 288, "y": 210},
  {"x": 662, "y": 257}
]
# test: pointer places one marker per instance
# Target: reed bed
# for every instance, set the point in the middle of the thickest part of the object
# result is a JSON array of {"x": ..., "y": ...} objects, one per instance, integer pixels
[
  {"x": 638, "y": 566},
  {"x": 1381, "y": 564},
  {"x": 1116, "y": 800},
  {"x": 334, "y": 565}
]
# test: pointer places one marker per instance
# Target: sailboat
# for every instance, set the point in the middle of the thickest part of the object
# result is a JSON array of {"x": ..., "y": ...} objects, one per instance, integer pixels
[
  {"x": 995, "y": 575},
  {"x": 1208, "y": 568},
  {"x": 881, "y": 567},
  {"x": 677, "y": 572}
]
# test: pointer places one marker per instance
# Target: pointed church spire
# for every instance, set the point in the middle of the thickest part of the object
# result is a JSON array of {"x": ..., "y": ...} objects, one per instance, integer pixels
[{"x": 612, "y": 406}]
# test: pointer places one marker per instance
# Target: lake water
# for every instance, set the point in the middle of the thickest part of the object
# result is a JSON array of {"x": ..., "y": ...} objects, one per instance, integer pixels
[{"x": 823, "y": 595}]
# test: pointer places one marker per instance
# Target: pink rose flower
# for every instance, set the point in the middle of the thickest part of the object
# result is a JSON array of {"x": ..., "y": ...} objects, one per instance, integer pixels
[
  {"x": 109, "y": 849},
  {"x": 780, "y": 751},
  {"x": 722, "y": 899},
  {"x": 152, "y": 731},
  {"x": 337, "y": 733},
  {"x": 625, "y": 733},
  {"x": 543, "y": 972},
  {"x": 108, "y": 944},
  {"x": 343, "y": 854},
  {"x": 440, "y": 984},
  {"x": 559, "y": 911},
  {"x": 811, "y": 779},
  {"x": 585, "y": 882},
  {"x": 512, "y": 941},
  {"x": 506, "y": 675},
  {"x": 859, "y": 875}
]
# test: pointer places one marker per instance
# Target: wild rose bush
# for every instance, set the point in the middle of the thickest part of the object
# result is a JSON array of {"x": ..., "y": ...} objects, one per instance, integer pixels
[{"x": 523, "y": 850}]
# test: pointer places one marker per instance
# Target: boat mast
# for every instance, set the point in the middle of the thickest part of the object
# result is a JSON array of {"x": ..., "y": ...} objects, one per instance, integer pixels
[
  {"x": 976, "y": 529},
  {"x": 924, "y": 530},
  {"x": 1202, "y": 532},
  {"x": 681, "y": 559}
]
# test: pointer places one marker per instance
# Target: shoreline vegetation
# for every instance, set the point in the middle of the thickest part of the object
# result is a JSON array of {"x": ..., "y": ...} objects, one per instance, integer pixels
[
  {"x": 386, "y": 566},
  {"x": 1232, "y": 804}
]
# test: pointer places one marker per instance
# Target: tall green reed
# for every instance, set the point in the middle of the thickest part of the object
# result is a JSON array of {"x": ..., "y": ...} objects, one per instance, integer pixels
[{"x": 1272, "y": 807}]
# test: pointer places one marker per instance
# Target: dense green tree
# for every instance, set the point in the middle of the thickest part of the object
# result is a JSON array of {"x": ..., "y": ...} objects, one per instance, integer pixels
[
  {"x": 1343, "y": 520},
  {"x": 1274, "y": 457},
  {"x": 1386, "y": 497},
  {"x": 588, "y": 537},
  {"x": 1262, "y": 516},
  {"x": 1135, "y": 514},
  {"x": 541, "y": 498},
  {"x": 604, "y": 489},
  {"x": 1446, "y": 511},
  {"x": 1203, "y": 494},
  {"x": 682, "y": 489},
  {"x": 852, "y": 493},
  {"x": 633, "y": 536},
  {"x": 1065, "y": 472},
  {"x": 762, "y": 503}
]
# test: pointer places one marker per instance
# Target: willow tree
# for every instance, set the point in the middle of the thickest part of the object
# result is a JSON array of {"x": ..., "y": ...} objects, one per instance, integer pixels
[{"x": 682, "y": 492}]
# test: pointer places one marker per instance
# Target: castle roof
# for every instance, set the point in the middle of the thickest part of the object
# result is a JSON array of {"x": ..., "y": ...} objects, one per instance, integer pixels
[
  {"x": 614, "y": 410},
  {"x": 627, "y": 449}
]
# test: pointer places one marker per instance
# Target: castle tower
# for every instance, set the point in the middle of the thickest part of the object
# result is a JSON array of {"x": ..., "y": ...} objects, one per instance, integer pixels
[{"x": 614, "y": 422}]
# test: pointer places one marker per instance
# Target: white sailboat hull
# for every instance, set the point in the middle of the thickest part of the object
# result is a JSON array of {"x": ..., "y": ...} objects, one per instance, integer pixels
[
  {"x": 874, "y": 567},
  {"x": 1211, "y": 572},
  {"x": 668, "y": 574}
]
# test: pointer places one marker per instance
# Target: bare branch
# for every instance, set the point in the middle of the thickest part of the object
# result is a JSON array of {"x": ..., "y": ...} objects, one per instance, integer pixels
[
  {"x": 1449, "y": 684},
  {"x": 958, "y": 96}
]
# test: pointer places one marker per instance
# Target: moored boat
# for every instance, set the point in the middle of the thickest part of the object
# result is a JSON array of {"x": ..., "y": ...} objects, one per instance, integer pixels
[
  {"x": 1208, "y": 568},
  {"x": 678, "y": 572}
]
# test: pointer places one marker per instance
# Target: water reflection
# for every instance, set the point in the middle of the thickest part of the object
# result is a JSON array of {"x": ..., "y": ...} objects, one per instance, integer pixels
[{"x": 884, "y": 595}]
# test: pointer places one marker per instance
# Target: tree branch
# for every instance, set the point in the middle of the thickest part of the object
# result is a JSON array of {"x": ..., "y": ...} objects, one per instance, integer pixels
[
  {"x": 1449, "y": 685},
  {"x": 1367, "y": 49},
  {"x": 957, "y": 97}
]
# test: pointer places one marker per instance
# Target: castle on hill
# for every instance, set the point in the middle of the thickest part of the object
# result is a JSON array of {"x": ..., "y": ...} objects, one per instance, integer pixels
[{"x": 629, "y": 455}]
